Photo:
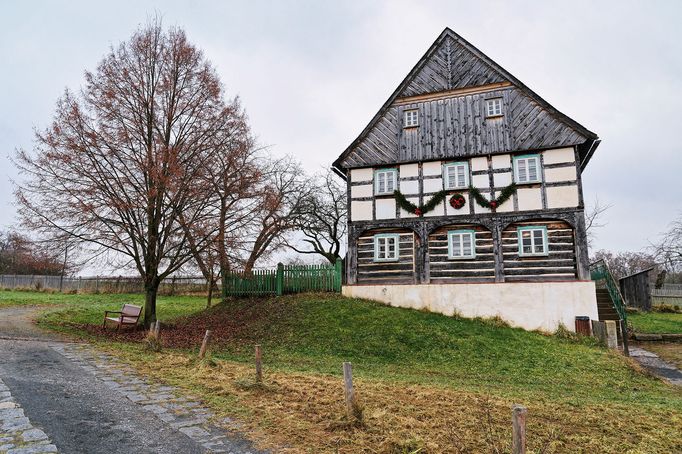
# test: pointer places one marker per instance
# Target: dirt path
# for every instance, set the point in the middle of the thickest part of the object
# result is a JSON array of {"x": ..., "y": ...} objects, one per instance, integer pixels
[
  {"x": 654, "y": 364},
  {"x": 77, "y": 412}
]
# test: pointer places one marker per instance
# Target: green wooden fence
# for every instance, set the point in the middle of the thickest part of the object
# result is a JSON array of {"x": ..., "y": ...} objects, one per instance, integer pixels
[{"x": 284, "y": 280}]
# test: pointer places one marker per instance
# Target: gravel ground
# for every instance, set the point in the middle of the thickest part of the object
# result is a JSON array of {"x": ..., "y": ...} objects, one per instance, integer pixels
[{"x": 70, "y": 406}]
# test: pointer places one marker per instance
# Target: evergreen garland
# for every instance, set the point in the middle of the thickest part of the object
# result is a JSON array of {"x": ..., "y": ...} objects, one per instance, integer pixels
[
  {"x": 410, "y": 207},
  {"x": 505, "y": 194}
]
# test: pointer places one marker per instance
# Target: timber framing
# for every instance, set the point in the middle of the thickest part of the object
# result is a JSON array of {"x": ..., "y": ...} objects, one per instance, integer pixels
[
  {"x": 519, "y": 141},
  {"x": 487, "y": 73}
]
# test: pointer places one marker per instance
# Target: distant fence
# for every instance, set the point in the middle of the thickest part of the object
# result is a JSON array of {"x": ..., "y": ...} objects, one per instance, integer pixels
[
  {"x": 285, "y": 279},
  {"x": 282, "y": 280},
  {"x": 668, "y": 290},
  {"x": 101, "y": 284}
]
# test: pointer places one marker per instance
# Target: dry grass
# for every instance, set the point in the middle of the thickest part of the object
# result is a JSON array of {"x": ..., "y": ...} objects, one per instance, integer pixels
[{"x": 301, "y": 412}]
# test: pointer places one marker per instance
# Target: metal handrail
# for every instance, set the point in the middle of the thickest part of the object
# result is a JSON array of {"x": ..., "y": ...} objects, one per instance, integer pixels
[{"x": 599, "y": 270}]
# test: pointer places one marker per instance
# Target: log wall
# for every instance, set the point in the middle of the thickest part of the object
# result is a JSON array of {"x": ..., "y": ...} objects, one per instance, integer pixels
[
  {"x": 398, "y": 272},
  {"x": 559, "y": 264},
  {"x": 481, "y": 268}
]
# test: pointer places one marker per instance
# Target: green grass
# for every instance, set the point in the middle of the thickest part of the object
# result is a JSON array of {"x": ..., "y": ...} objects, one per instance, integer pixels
[
  {"x": 317, "y": 332},
  {"x": 417, "y": 363},
  {"x": 89, "y": 308},
  {"x": 656, "y": 322}
]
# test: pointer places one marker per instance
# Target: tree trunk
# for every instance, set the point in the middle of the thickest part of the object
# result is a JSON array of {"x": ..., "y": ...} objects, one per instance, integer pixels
[
  {"x": 150, "y": 291},
  {"x": 211, "y": 283}
]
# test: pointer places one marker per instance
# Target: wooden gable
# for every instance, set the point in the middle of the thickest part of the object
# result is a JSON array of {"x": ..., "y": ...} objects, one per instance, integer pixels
[{"x": 448, "y": 87}]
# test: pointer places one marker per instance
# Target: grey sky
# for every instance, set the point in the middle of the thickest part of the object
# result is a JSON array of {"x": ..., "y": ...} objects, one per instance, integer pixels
[{"x": 311, "y": 74}]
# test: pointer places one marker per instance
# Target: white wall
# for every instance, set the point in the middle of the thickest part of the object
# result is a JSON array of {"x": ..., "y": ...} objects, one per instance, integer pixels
[{"x": 529, "y": 305}]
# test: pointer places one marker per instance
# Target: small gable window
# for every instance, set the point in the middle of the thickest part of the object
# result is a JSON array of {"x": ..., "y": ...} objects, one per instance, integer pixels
[
  {"x": 461, "y": 244},
  {"x": 385, "y": 181},
  {"x": 456, "y": 175},
  {"x": 493, "y": 107},
  {"x": 532, "y": 241},
  {"x": 411, "y": 118},
  {"x": 527, "y": 169},
  {"x": 386, "y": 247}
]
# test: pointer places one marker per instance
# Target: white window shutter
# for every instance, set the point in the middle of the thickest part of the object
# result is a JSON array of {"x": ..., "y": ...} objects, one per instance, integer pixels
[
  {"x": 461, "y": 171},
  {"x": 521, "y": 171},
  {"x": 532, "y": 169}
]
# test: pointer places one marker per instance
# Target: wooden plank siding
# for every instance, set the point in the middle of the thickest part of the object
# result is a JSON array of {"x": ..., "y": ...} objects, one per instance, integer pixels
[
  {"x": 446, "y": 270},
  {"x": 449, "y": 86},
  {"x": 398, "y": 272},
  {"x": 457, "y": 126},
  {"x": 559, "y": 264}
]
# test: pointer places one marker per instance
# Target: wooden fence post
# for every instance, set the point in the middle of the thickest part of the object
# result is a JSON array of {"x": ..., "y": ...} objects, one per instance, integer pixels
[
  {"x": 519, "y": 429},
  {"x": 157, "y": 329},
  {"x": 624, "y": 333},
  {"x": 280, "y": 279},
  {"x": 348, "y": 391},
  {"x": 259, "y": 365},
  {"x": 204, "y": 344},
  {"x": 338, "y": 270}
]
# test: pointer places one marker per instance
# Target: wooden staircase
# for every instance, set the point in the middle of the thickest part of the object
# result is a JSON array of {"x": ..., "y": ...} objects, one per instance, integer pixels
[{"x": 605, "y": 306}]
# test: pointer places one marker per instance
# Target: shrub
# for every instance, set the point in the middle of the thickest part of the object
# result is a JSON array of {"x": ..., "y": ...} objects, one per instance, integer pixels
[{"x": 667, "y": 308}]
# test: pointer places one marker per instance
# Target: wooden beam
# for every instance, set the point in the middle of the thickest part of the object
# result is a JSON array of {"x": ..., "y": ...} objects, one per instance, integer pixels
[{"x": 451, "y": 93}]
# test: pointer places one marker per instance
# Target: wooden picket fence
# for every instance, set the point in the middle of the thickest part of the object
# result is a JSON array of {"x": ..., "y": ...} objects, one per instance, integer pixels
[
  {"x": 258, "y": 282},
  {"x": 284, "y": 280}
]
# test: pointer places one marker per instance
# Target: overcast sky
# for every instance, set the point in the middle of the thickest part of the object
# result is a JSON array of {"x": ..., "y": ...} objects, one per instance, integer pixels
[{"x": 311, "y": 74}]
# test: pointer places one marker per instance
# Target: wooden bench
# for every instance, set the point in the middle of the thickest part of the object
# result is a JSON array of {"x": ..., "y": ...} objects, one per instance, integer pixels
[{"x": 129, "y": 315}]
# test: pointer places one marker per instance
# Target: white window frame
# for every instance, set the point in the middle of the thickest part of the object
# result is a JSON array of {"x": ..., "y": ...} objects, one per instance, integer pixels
[
  {"x": 386, "y": 239},
  {"x": 458, "y": 184},
  {"x": 411, "y": 118},
  {"x": 457, "y": 253},
  {"x": 526, "y": 159},
  {"x": 388, "y": 173},
  {"x": 493, "y": 107},
  {"x": 533, "y": 244}
]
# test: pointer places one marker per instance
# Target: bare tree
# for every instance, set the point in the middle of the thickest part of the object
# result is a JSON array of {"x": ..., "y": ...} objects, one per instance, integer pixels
[
  {"x": 231, "y": 179},
  {"x": 323, "y": 219},
  {"x": 280, "y": 203},
  {"x": 623, "y": 264},
  {"x": 669, "y": 249},
  {"x": 20, "y": 254},
  {"x": 593, "y": 220},
  {"x": 125, "y": 157}
]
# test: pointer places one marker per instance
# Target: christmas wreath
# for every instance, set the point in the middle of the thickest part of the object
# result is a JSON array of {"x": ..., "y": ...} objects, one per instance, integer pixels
[
  {"x": 505, "y": 194},
  {"x": 410, "y": 207},
  {"x": 457, "y": 201}
]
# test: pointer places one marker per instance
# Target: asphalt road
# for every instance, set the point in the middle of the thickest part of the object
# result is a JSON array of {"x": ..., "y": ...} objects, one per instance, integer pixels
[{"x": 77, "y": 412}]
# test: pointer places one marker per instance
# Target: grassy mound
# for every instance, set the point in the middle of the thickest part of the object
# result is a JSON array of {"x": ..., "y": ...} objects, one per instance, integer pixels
[{"x": 428, "y": 383}]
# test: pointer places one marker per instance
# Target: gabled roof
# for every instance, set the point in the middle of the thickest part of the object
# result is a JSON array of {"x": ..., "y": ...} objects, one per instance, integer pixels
[{"x": 447, "y": 67}]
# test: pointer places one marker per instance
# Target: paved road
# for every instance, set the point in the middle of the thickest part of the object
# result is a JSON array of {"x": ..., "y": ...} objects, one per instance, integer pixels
[{"x": 76, "y": 411}]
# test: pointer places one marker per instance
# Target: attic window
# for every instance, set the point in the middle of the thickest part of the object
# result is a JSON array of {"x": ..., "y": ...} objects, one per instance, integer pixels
[
  {"x": 493, "y": 107},
  {"x": 411, "y": 118}
]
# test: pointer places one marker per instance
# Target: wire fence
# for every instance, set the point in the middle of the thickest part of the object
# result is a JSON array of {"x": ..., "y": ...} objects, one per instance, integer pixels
[{"x": 101, "y": 284}]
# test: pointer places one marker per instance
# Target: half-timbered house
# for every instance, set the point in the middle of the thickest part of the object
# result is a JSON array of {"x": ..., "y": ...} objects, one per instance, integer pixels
[{"x": 465, "y": 196}]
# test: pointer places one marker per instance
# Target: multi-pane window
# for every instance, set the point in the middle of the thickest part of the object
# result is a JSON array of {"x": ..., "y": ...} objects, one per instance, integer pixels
[
  {"x": 532, "y": 241},
  {"x": 461, "y": 244},
  {"x": 386, "y": 247},
  {"x": 456, "y": 175},
  {"x": 385, "y": 181},
  {"x": 411, "y": 118},
  {"x": 527, "y": 169},
  {"x": 493, "y": 107}
]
